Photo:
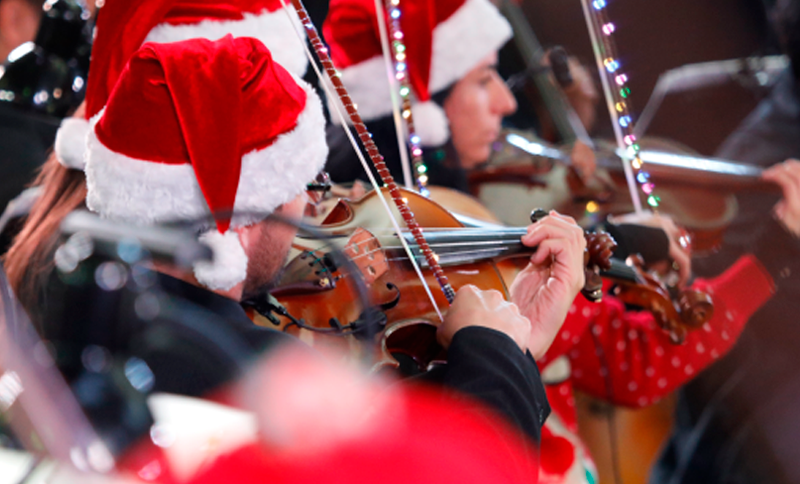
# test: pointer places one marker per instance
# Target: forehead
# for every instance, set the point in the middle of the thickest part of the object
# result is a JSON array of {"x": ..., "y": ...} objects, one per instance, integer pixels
[{"x": 489, "y": 60}]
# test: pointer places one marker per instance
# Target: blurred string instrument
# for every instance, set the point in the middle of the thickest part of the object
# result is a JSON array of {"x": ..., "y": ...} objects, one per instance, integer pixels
[
  {"x": 317, "y": 297},
  {"x": 697, "y": 192}
]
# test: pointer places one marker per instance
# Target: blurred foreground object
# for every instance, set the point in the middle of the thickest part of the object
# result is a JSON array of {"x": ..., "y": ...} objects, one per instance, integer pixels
[
  {"x": 324, "y": 422},
  {"x": 41, "y": 83},
  {"x": 48, "y": 76}
]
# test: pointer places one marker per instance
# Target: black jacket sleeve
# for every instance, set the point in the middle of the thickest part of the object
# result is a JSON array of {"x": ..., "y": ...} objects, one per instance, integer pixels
[{"x": 487, "y": 365}]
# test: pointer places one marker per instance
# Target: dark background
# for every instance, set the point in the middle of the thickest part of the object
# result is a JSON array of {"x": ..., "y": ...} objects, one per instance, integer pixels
[{"x": 653, "y": 36}]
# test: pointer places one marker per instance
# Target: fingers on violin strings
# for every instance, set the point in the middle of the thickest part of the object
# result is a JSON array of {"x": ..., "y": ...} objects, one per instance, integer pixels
[
  {"x": 565, "y": 218},
  {"x": 553, "y": 226},
  {"x": 558, "y": 250}
]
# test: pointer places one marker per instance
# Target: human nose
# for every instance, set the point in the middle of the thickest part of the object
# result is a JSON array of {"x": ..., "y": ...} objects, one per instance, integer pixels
[{"x": 504, "y": 102}]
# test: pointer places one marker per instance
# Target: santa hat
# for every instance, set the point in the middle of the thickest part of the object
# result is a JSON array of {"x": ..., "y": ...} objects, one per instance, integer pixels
[
  {"x": 444, "y": 40},
  {"x": 200, "y": 128},
  {"x": 124, "y": 25}
]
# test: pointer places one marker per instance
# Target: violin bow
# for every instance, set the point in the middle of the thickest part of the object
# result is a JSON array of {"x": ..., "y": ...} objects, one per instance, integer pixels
[{"x": 365, "y": 136}]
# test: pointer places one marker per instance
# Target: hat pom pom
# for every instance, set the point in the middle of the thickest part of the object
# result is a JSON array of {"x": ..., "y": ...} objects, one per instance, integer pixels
[
  {"x": 229, "y": 266},
  {"x": 70, "y": 145},
  {"x": 430, "y": 123}
]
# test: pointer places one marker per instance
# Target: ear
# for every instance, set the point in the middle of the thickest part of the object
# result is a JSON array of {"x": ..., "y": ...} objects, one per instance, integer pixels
[
  {"x": 19, "y": 21},
  {"x": 7, "y": 13},
  {"x": 295, "y": 207}
]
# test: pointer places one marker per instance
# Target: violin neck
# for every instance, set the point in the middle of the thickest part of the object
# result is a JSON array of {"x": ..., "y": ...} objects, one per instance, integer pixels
[
  {"x": 471, "y": 245},
  {"x": 708, "y": 173},
  {"x": 463, "y": 246},
  {"x": 665, "y": 168}
]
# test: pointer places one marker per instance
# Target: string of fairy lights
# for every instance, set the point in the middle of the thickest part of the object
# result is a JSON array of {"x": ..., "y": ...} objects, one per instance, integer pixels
[
  {"x": 399, "y": 57},
  {"x": 620, "y": 92}
]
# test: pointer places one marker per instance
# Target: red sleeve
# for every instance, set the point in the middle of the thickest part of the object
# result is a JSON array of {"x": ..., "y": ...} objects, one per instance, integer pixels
[{"x": 625, "y": 358}]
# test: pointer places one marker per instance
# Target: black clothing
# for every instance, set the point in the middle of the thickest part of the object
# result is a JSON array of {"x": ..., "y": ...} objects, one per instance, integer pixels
[
  {"x": 196, "y": 374},
  {"x": 489, "y": 366},
  {"x": 649, "y": 242},
  {"x": 737, "y": 422},
  {"x": 192, "y": 340},
  {"x": 25, "y": 141}
]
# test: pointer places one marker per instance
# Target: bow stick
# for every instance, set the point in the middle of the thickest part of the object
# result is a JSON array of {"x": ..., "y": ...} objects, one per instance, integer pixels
[{"x": 380, "y": 166}]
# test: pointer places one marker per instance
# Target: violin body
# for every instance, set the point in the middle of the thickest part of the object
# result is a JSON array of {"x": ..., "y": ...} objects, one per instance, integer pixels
[{"x": 391, "y": 282}]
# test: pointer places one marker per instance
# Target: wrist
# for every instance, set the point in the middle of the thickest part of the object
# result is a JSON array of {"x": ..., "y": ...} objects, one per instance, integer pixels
[{"x": 540, "y": 341}]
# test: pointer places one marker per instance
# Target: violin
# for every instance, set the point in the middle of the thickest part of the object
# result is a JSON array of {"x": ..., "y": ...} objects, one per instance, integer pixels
[
  {"x": 318, "y": 295},
  {"x": 697, "y": 192}
]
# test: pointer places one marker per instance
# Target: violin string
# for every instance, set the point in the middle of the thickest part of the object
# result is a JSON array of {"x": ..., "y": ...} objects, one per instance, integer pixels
[
  {"x": 419, "y": 256},
  {"x": 514, "y": 235},
  {"x": 476, "y": 252},
  {"x": 499, "y": 245},
  {"x": 460, "y": 253},
  {"x": 324, "y": 82},
  {"x": 618, "y": 271}
]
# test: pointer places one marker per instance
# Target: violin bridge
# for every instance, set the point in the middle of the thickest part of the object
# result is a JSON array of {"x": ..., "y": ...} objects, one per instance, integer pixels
[{"x": 366, "y": 253}]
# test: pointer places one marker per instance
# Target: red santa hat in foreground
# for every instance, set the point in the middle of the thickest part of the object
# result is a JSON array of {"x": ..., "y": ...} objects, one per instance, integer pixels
[
  {"x": 124, "y": 25},
  {"x": 200, "y": 128},
  {"x": 320, "y": 421},
  {"x": 444, "y": 40}
]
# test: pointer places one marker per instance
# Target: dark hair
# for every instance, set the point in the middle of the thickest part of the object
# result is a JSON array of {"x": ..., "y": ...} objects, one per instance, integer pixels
[{"x": 29, "y": 261}]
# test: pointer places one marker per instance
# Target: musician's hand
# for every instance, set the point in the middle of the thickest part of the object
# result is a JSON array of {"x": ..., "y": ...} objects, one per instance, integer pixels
[
  {"x": 582, "y": 94},
  {"x": 787, "y": 176},
  {"x": 583, "y": 160},
  {"x": 488, "y": 309},
  {"x": 354, "y": 192},
  {"x": 680, "y": 249},
  {"x": 545, "y": 289}
]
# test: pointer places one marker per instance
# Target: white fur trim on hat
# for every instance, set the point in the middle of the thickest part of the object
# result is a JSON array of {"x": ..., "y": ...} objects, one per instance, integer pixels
[
  {"x": 70, "y": 145},
  {"x": 229, "y": 266},
  {"x": 430, "y": 123},
  {"x": 145, "y": 192},
  {"x": 474, "y": 31},
  {"x": 274, "y": 29}
]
